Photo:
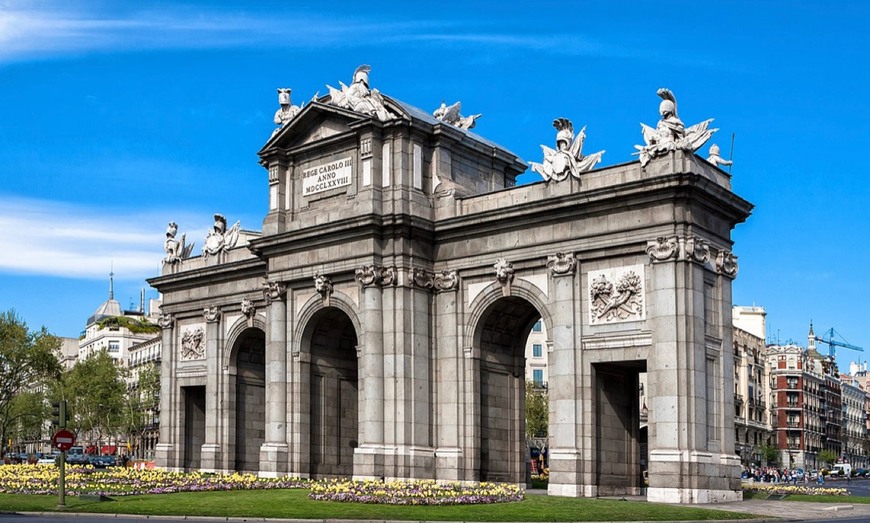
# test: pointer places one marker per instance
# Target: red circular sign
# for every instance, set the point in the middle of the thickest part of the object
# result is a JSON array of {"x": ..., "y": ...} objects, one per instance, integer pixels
[{"x": 63, "y": 440}]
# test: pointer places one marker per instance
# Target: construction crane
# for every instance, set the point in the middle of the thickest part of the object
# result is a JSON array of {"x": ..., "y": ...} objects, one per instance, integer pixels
[{"x": 832, "y": 343}]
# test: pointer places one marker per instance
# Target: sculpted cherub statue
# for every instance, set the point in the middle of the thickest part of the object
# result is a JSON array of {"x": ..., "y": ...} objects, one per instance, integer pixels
[
  {"x": 670, "y": 134},
  {"x": 567, "y": 158},
  {"x": 451, "y": 115},
  {"x": 714, "y": 157}
]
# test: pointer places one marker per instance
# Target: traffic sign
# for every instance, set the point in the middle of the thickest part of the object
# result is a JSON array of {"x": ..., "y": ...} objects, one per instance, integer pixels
[{"x": 63, "y": 440}]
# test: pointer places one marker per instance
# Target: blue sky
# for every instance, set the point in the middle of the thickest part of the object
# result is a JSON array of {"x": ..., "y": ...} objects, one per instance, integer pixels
[{"x": 119, "y": 117}]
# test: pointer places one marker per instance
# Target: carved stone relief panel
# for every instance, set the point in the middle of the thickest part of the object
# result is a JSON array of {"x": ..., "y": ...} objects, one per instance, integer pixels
[
  {"x": 616, "y": 295},
  {"x": 193, "y": 344}
]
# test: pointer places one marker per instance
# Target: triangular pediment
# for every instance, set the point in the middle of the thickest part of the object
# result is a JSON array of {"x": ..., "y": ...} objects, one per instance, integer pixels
[{"x": 315, "y": 122}]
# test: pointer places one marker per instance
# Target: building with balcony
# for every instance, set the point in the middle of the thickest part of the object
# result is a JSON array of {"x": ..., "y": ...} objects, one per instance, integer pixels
[
  {"x": 854, "y": 428},
  {"x": 536, "y": 355},
  {"x": 752, "y": 418}
]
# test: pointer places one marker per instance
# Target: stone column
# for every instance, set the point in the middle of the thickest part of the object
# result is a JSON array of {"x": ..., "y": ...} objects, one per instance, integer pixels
[
  {"x": 211, "y": 458},
  {"x": 571, "y": 428},
  {"x": 368, "y": 459},
  {"x": 274, "y": 451},
  {"x": 449, "y": 380},
  {"x": 166, "y": 451},
  {"x": 686, "y": 459}
]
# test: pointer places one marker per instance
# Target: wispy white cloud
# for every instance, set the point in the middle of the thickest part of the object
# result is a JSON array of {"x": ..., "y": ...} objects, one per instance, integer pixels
[
  {"x": 56, "y": 29},
  {"x": 58, "y": 239}
]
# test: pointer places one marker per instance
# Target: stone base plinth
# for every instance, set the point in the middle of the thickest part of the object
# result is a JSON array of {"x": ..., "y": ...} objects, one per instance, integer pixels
[
  {"x": 686, "y": 495},
  {"x": 210, "y": 458},
  {"x": 273, "y": 460},
  {"x": 165, "y": 457}
]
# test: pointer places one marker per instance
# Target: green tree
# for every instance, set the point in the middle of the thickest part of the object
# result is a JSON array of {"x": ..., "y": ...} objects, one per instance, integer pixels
[
  {"x": 95, "y": 392},
  {"x": 27, "y": 360},
  {"x": 537, "y": 415},
  {"x": 771, "y": 454},
  {"x": 142, "y": 401},
  {"x": 827, "y": 456}
]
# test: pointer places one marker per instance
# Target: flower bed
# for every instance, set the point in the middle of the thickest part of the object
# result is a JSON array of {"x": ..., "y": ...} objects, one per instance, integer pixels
[
  {"x": 421, "y": 492},
  {"x": 118, "y": 481},
  {"x": 785, "y": 488}
]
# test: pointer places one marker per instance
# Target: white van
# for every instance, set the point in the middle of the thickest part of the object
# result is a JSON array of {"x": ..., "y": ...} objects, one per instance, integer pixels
[{"x": 842, "y": 469}]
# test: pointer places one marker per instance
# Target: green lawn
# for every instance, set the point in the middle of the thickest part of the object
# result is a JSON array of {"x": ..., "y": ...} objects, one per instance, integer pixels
[
  {"x": 294, "y": 504},
  {"x": 857, "y": 500}
]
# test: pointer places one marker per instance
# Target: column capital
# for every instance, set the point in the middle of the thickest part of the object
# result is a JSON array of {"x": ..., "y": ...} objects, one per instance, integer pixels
[
  {"x": 274, "y": 291},
  {"x": 212, "y": 314}
]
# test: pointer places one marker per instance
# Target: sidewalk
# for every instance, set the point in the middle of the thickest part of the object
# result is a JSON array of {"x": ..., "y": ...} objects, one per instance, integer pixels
[{"x": 795, "y": 510}]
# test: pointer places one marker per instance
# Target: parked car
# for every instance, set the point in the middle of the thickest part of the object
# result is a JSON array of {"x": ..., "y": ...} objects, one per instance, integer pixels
[
  {"x": 47, "y": 460},
  {"x": 102, "y": 461},
  {"x": 76, "y": 456}
]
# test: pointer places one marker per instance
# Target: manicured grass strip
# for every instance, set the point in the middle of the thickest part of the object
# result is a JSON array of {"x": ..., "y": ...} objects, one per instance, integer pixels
[{"x": 294, "y": 504}]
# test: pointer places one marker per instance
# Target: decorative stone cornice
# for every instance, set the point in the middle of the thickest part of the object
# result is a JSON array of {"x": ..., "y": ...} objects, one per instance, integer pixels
[
  {"x": 726, "y": 264},
  {"x": 274, "y": 291},
  {"x": 373, "y": 275},
  {"x": 249, "y": 311},
  {"x": 662, "y": 249},
  {"x": 504, "y": 274},
  {"x": 422, "y": 278},
  {"x": 166, "y": 321},
  {"x": 211, "y": 314},
  {"x": 562, "y": 264},
  {"x": 323, "y": 285},
  {"x": 446, "y": 280}
]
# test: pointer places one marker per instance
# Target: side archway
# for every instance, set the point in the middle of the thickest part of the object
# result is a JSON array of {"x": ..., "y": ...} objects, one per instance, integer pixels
[{"x": 246, "y": 382}]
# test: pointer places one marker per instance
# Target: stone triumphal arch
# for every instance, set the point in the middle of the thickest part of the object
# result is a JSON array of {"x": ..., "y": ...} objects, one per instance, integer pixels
[{"x": 375, "y": 327}]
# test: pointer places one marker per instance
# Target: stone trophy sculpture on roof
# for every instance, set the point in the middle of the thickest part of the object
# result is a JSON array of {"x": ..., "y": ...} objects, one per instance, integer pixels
[
  {"x": 670, "y": 134},
  {"x": 567, "y": 159},
  {"x": 220, "y": 239},
  {"x": 359, "y": 98},
  {"x": 176, "y": 250},
  {"x": 287, "y": 111},
  {"x": 451, "y": 115}
]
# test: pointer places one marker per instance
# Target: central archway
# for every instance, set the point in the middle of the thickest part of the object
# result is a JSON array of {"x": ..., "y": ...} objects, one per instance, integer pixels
[
  {"x": 334, "y": 423},
  {"x": 501, "y": 337}
]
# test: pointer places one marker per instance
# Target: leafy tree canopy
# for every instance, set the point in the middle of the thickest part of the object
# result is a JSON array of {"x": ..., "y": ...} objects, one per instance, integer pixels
[
  {"x": 537, "y": 411},
  {"x": 27, "y": 358}
]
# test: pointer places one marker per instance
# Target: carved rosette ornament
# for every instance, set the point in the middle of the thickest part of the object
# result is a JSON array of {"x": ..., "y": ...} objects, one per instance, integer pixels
[
  {"x": 323, "y": 285},
  {"x": 662, "y": 249},
  {"x": 165, "y": 321},
  {"x": 446, "y": 281},
  {"x": 616, "y": 295},
  {"x": 211, "y": 314},
  {"x": 249, "y": 311},
  {"x": 697, "y": 250},
  {"x": 368, "y": 275},
  {"x": 504, "y": 274},
  {"x": 274, "y": 291},
  {"x": 561, "y": 264},
  {"x": 193, "y": 344},
  {"x": 423, "y": 278},
  {"x": 726, "y": 263}
]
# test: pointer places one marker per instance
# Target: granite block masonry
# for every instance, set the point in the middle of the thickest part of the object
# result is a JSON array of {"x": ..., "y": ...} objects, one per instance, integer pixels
[{"x": 375, "y": 327}]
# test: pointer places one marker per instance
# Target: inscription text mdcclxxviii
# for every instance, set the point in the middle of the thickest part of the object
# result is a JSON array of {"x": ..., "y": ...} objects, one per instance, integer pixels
[{"x": 324, "y": 177}]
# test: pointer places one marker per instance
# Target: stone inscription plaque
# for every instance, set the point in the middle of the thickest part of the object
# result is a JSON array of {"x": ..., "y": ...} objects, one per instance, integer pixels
[{"x": 326, "y": 176}]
